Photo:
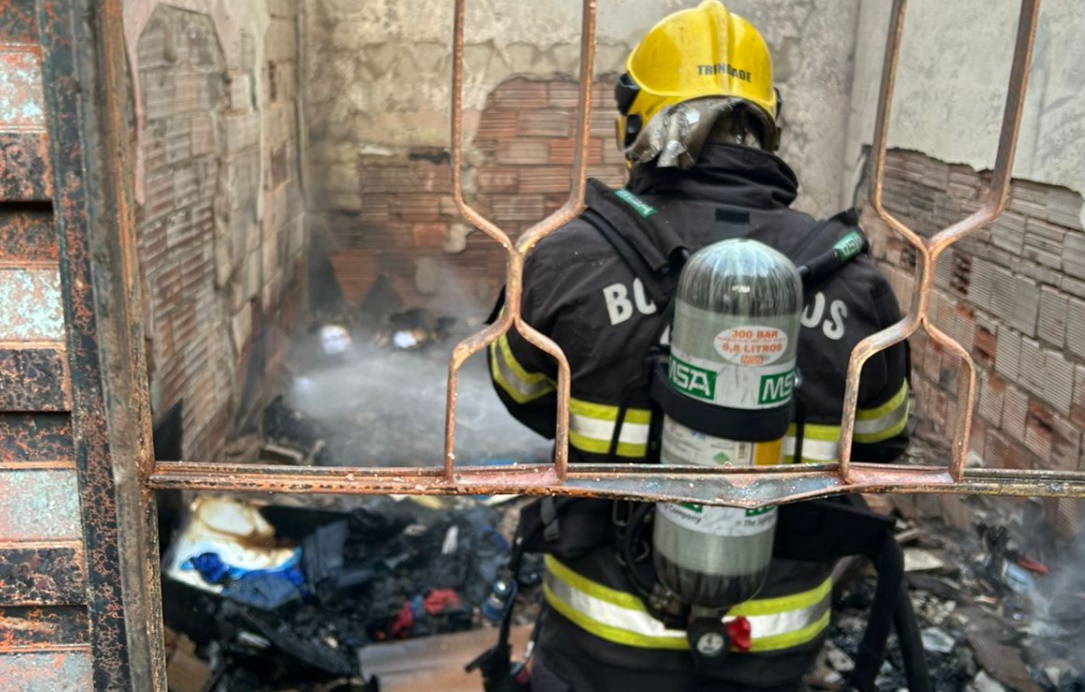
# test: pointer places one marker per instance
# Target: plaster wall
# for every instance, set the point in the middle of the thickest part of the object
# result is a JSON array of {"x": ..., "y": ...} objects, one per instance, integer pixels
[
  {"x": 951, "y": 83},
  {"x": 378, "y": 75}
]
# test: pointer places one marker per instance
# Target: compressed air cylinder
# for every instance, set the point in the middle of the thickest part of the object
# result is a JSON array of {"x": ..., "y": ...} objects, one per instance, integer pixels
[{"x": 733, "y": 345}]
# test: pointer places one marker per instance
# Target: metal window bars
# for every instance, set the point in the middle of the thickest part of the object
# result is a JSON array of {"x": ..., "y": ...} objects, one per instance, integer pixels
[{"x": 746, "y": 487}]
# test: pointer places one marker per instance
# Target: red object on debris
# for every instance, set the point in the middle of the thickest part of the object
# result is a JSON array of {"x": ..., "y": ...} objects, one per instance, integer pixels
[
  {"x": 1032, "y": 565},
  {"x": 401, "y": 627},
  {"x": 739, "y": 630},
  {"x": 440, "y": 600}
]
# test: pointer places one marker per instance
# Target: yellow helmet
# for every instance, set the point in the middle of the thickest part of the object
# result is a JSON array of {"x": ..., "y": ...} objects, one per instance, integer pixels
[{"x": 696, "y": 53}]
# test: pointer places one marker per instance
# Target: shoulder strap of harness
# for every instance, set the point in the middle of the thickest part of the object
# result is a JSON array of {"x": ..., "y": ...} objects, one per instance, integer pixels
[{"x": 608, "y": 211}]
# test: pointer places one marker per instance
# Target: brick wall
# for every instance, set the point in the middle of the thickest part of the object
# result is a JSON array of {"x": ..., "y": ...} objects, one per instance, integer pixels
[
  {"x": 1014, "y": 296},
  {"x": 220, "y": 228},
  {"x": 401, "y": 220}
]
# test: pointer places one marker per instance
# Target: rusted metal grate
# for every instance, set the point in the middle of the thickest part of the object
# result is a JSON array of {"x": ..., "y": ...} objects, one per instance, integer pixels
[{"x": 735, "y": 486}]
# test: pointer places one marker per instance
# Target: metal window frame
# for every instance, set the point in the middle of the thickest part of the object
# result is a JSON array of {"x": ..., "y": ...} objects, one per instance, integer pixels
[
  {"x": 83, "y": 69},
  {"x": 744, "y": 487}
]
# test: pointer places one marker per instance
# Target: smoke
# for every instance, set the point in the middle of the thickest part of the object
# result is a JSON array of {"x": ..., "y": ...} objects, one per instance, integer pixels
[
  {"x": 1058, "y": 599},
  {"x": 386, "y": 407}
]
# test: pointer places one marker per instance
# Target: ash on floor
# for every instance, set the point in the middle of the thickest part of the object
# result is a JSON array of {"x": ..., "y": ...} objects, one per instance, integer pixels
[
  {"x": 993, "y": 614},
  {"x": 373, "y": 403}
]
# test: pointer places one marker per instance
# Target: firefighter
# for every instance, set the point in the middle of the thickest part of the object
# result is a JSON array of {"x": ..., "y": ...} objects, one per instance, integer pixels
[{"x": 698, "y": 122}]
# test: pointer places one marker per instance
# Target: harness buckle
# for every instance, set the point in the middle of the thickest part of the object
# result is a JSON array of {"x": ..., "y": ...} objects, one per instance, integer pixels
[{"x": 620, "y": 511}]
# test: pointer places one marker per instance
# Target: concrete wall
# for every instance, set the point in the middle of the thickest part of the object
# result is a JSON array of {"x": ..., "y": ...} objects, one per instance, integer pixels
[
  {"x": 377, "y": 89},
  {"x": 1014, "y": 294},
  {"x": 950, "y": 92},
  {"x": 221, "y": 214}
]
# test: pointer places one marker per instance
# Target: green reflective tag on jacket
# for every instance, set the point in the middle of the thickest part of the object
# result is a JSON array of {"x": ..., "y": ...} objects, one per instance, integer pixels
[{"x": 640, "y": 206}]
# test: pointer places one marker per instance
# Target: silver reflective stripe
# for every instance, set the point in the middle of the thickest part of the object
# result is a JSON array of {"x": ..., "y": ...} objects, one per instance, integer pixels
[
  {"x": 762, "y": 626},
  {"x": 520, "y": 389},
  {"x": 814, "y": 450},
  {"x": 639, "y": 623},
  {"x": 596, "y": 429},
  {"x": 873, "y": 426}
]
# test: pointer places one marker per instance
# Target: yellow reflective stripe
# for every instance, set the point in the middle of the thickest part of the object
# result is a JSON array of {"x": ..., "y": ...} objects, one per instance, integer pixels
[
  {"x": 593, "y": 446},
  {"x": 517, "y": 382},
  {"x": 589, "y": 409},
  {"x": 886, "y": 421},
  {"x": 890, "y": 432},
  {"x": 888, "y": 407},
  {"x": 620, "y": 617},
  {"x": 790, "y": 639},
  {"x": 783, "y": 604},
  {"x": 609, "y": 632},
  {"x": 591, "y": 427},
  {"x": 820, "y": 442},
  {"x": 592, "y": 588},
  {"x": 810, "y": 431}
]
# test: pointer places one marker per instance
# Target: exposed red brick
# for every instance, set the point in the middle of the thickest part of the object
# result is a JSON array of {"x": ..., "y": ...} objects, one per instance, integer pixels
[
  {"x": 1066, "y": 444},
  {"x": 416, "y": 208},
  {"x": 984, "y": 347},
  {"x": 563, "y": 150},
  {"x": 356, "y": 271},
  {"x": 430, "y": 235},
  {"x": 932, "y": 359},
  {"x": 612, "y": 153},
  {"x": 602, "y": 124},
  {"x": 989, "y": 298},
  {"x": 563, "y": 94},
  {"x": 520, "y": 95},
  {"x": 520, "y": 152},
  {"x": 375, "y": 209},
  {"x": 551, "y": 203},
  {"x": 496, "y": 126},
  {"x": 1039, "y": 432},
  {"x": 545, "y": 123},
  {"x": 602, "y": 95},
  {"x": 498, "y": 180},
  {"x": 517, "y": 207},
  {"x": 545, "y": 179},
  {"x": 1004, "y": 454}
]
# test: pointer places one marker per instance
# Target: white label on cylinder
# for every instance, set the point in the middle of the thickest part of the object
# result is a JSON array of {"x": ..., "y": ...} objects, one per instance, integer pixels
[
  {"x": 751, "y": 345},
  {"x": 720, "y": 521},
  {"x": 682, "y": 445}
]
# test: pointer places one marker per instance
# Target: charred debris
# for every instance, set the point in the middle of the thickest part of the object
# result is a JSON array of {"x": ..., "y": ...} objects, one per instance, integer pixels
[
  {"x": 294, "y": 597},
  {"x": 295, "y": 594}
]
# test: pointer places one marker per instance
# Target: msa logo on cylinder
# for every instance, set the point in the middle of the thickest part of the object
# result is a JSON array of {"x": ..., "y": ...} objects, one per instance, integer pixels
[
  {"x": 694, "y": 381},
  {"x": 776, "y": 389}
]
